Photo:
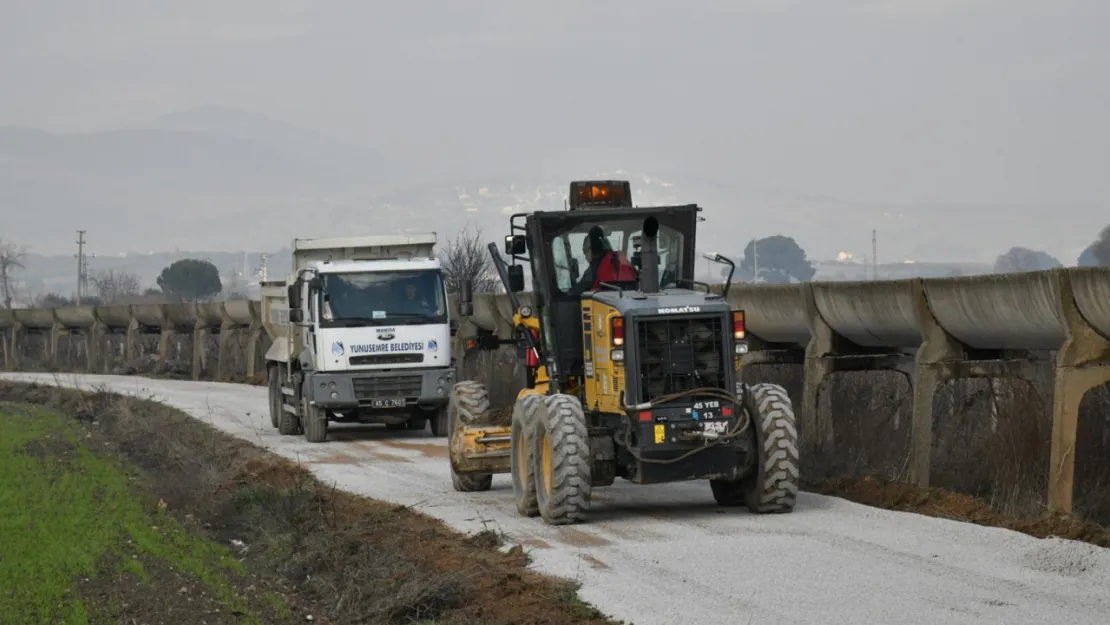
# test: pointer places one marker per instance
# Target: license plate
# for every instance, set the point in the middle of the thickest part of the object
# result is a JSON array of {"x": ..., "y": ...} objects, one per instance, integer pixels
[{"x": 387, "y": 403}]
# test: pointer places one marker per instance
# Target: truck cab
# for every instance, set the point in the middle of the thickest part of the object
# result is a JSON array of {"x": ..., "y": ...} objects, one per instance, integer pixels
[{"x": 368, "y": 337}]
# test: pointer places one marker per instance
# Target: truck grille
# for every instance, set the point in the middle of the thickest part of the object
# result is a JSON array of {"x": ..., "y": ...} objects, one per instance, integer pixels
[
  {"x": 385, "y": 387},
  {"x": 386, "y": 359},
  {"x": 680, "y": 353}
]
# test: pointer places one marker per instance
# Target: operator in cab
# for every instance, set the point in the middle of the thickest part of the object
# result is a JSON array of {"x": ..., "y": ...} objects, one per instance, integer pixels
[{"x": 602, "y": 267}]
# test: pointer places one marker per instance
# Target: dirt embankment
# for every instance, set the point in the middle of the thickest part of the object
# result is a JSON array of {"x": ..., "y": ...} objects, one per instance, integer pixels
[{"x": 315, "y": 552}]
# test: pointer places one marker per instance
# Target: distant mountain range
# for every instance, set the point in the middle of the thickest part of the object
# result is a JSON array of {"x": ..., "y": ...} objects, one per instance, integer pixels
[{"x": 219, "y": 178}]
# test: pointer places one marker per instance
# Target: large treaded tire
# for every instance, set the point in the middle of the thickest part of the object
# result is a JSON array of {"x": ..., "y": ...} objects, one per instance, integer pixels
[
  {"x": 274, "y": 379},
  {"x": 773, "y": 488},
  {"x": 289, "y": 423},
  {"x": 315, "y": 422},
  {"x": 525, "y": 413},
  {"x": 561, "y": 460},
  {"x": 469, "y": 401}
]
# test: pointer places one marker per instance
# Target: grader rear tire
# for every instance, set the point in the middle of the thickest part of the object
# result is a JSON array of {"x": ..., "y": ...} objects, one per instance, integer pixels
[
  {"x": 561, "y": 460},
  {"x": 469, "y": 401},
  {"x": 523, "y": 438},
  {"x": 773, "y": 487}
]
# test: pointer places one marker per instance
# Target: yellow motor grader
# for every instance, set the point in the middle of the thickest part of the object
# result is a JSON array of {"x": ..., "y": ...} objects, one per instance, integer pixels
[{"x": 632, "y": 368}]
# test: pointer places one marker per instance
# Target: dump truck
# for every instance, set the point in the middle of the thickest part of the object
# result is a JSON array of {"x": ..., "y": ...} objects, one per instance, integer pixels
[
  {"x": 361, "y": 333},
  {"x": 632, "y": 367}
]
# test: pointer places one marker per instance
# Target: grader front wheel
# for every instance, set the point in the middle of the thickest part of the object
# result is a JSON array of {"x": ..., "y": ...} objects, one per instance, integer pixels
[{"x": 468, "y": 402}]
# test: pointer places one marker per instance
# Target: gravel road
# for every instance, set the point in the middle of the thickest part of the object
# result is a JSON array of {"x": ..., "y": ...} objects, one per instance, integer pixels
[{"x": 661, "y": 555}]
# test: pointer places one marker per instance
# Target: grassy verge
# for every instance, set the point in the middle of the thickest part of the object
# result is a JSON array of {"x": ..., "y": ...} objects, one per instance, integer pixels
[
  {"x": 79, "y": 544},
  {"x": 118, "y": 509}
]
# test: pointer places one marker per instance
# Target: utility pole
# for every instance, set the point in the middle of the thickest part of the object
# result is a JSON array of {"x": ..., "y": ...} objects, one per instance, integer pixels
[
  {"x": 82, "y": 267},
  {"x": 874, "y": 255}
]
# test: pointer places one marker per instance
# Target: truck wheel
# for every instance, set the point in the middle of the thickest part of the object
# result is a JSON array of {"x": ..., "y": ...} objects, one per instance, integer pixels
[
  {"x": 290, "y": 422},
  {"x": 315, "y": 421},
  {"x": 561, "y": 460},
  {"x": 469, "y": 401},
  {"x": 773, "y": 487},
  {"x": 275, "y": 396},
  {"x": 439, "y": 423},
  {"x": 523, "y": 438}
]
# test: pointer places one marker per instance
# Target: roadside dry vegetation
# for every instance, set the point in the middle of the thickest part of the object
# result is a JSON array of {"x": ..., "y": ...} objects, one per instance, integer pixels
[{"x": 121, "y": 510}]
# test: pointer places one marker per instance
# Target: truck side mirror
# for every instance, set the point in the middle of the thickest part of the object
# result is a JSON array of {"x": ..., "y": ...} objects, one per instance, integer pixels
[
  {"x": 516, "y": 278},
  {"x": 293, "y": 294},
  {"x": 316, "y": 284},
  {"x": 466, "y": 297},
  {"x": 516, "y": 244},
  {"x": 296, "y": 315}
]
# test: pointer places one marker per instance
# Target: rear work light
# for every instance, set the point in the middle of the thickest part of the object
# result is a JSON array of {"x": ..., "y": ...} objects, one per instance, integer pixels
[
  {"x": 617, "y": 331},
  {"x": 738, "y": 324}
]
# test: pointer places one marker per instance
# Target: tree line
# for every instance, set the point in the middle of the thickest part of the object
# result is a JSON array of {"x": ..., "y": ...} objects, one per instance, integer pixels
[
  {"x": 776, "y": 259},
  {"x": 188, "y": 279}
]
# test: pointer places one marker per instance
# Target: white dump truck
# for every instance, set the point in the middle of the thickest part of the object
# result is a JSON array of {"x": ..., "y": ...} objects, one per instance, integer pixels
[{"x": 361, "y": 333}]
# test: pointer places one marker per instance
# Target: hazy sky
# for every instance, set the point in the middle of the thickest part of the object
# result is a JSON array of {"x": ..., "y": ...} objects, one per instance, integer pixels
[{"x": 888, "y": 101}]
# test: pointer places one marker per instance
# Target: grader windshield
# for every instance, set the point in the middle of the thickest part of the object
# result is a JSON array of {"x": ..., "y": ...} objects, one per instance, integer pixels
[{"x": 571, "y": 253}]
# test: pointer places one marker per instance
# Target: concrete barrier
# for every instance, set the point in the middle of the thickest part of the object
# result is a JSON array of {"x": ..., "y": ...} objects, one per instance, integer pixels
[
  {"x": 871, "y": 314},
  {"x": 150, "y": 315},
  {"x": 76, "y": 318},
  {"x": 181, "y": 316},
  {"x": 242, "y": 312},
  {"x": 1009, "y": 311},
  {"x": 116, "y": 317},
  {"x": 1091, "y": 288},
  {"x": 35, "y": 318},
  {"x": 774, "y": 313},
  {"x": 209, "y": 314},
  {"x": 968, "y": 319}
]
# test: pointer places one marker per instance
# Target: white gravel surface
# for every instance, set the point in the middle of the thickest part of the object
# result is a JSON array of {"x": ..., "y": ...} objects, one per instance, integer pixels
[{"x": 666, "y": 555}]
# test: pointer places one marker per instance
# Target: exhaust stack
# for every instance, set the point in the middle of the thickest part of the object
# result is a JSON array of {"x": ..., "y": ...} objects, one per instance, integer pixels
[{"x": 649, "y": 257}]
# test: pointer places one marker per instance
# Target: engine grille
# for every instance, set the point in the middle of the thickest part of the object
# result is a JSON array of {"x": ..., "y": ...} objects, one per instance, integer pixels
[
  {"x": 386, "y": 387},
  {"x": 680, "y": 353},
  {"x": 386, "y": 359}
]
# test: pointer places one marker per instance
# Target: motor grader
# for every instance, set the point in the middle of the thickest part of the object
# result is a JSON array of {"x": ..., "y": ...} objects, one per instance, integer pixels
[{"x": 631, "y": 367}]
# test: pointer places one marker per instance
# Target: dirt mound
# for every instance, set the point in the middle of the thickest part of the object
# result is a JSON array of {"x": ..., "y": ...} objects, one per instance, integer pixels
[{"x": 940, "y": 503}]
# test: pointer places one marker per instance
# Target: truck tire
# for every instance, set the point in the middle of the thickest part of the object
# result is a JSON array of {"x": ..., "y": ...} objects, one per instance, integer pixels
[
  {"x": 275, "y": 395},
  {"x": 469, "y": 401},
  {"x": 289, "y": 423},
  {"x": 773, "y": 486},
  {"x": 439, "y": 422},
  {"x": 315, "y": 422},
  {"x": 523, "y": 439},
  {"x": 561, "y": 460}
]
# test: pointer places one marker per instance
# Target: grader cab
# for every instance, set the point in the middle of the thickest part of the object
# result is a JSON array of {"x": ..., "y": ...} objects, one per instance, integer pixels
[{"x": 632, "y": 368}]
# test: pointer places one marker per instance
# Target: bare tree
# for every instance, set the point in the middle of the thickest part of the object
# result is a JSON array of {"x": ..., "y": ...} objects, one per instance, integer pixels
[
  {"x": 466, "y": 258},
  {"x": 111, "y": 285},
  {"x": 12, "y": 257}
]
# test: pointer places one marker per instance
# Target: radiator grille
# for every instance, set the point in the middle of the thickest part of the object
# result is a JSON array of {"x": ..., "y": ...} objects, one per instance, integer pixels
[
  {"x": 386, "y": 387},
  {"x": 386, "y": 359},
  {"x": 680, "y": 353}
]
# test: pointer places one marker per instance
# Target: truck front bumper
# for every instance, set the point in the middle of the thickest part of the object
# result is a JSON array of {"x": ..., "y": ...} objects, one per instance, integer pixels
[{"x": 380, "y": 390}]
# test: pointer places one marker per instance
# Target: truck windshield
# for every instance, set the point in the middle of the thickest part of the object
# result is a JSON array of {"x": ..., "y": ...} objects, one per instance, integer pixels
[{"x": 384, "y": 297}]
